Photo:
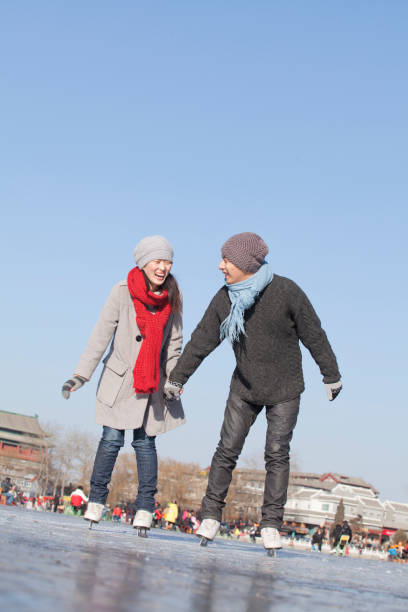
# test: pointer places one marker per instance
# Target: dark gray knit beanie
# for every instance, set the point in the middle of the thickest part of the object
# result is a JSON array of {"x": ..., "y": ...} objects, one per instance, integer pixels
[
  {"x": 152, "y": 247},
  {"x": 247, "y": 251}
]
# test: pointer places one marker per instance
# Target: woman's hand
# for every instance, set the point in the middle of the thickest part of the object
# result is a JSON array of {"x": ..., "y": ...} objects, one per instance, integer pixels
[{"x": 72, "y": 385}]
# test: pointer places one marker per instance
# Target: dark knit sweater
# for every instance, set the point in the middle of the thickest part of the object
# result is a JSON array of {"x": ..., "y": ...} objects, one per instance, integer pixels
[{"x": 269, "y": 360}]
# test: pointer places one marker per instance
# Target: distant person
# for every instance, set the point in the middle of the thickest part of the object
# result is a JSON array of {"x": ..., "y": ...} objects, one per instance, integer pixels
[
  {"x": 78, "y": 500},
  {"x": 170, "y": 515},
  {"x": 56, "y": 502},
  {"x": 116, "y": 514},
  {"x": 264, "y": 316},
  {"x": 252, "y": 533},
  {"x": 5, "y": 485},
  {"x": 341, "y": 529},
  {"x": 142, "y": 323},
  {"x": 6, "y": 490},
  {"x": 317, "y": 539},
  {"x": 194, "y": 521},
  {"x": 157, "y": 515},
  {"x": 11, "y": 495},
  {"x": 346, "y": 530}
]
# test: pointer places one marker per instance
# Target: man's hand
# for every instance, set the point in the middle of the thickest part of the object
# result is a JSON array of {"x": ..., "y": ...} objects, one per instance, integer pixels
[
  {"x": 72, "y": 385},
  {"x": 172, "y": 390},
  {"x": 333, "y": 389}
]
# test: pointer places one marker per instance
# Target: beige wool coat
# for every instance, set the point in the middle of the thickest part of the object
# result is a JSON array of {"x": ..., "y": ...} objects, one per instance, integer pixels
[{"x": 117, "y": 404}]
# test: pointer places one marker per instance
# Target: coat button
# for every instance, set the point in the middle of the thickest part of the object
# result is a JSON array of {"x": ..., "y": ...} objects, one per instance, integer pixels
[{"x": 139, "y": 338}]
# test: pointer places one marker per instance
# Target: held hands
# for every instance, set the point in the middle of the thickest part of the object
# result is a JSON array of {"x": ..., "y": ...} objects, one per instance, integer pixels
[
  {"x": 172, "y": 390},
  {"x": 333, "y": 389},
  {"x": 72, "y": 385}
]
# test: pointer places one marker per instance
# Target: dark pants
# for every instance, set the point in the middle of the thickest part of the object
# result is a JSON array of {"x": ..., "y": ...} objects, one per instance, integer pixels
[
  {"x": 146, "y": 457},
  {"x": 238, "y": 418}
]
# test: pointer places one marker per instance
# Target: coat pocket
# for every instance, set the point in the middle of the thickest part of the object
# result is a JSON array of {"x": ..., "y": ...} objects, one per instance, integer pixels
[{"x": 111, "y": 380}]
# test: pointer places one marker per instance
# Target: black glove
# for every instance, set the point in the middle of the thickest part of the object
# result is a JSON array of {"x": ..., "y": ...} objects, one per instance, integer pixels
[{"x": 72, "y": 385}]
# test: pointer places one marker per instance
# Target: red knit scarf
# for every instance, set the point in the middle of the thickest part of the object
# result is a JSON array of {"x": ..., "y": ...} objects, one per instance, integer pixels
[{"x": 146, "y": 371}]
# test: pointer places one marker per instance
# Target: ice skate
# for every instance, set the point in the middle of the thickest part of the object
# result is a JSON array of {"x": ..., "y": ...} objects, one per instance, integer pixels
[
  {"x": 271, "y": 540},
  {"x": 93, "y": 513},
  {"x": 142, "y": 522},
  {"x": 207, "y": 531}
]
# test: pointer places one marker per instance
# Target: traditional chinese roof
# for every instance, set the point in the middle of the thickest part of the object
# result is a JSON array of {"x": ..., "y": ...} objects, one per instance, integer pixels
[
  {"x": 13, "y": 424},
  {"x": 398, "y": 507},
  {"x": 327, "y": 481},
  {"x": 304, "y": 494},
  {"x": 372, "y": 503}
]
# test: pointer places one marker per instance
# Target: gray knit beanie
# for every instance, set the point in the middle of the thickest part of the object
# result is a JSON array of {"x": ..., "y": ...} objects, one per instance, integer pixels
[
  {"x": 152, "y": 247},
  {"x": 247, "y": 251}
]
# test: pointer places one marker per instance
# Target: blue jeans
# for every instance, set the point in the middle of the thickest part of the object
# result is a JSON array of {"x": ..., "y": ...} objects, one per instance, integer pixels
[{"x": 146, "y": 458}]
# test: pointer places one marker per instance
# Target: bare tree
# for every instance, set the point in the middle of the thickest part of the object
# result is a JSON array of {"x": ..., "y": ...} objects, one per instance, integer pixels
[
  {"x": 356, "y": 525},
  {"x": 182, "y": 482},
  {"x": 123, "y": 486},
  {"x": 400, "y": 536},
  {"x": 254, "y": 462},
  {"x": 69, "y": 459}
]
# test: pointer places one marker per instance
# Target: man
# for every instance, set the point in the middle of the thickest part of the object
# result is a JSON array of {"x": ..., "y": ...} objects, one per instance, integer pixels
[
  {"x": 7, "y": 489},
  {"x": 264, "y": 316},
  {"x": 5, "y": 485}
]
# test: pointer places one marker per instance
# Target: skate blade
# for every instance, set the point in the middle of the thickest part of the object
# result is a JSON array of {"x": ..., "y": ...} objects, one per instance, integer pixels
[
  {"x": 203, "y": 541},
  {"x": 142, "y": 532}
]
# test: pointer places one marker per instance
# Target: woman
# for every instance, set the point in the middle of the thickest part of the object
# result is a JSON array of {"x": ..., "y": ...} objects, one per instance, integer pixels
[
  {"x": 170, "y": 515},
  {"x": 142, "y": 323}
]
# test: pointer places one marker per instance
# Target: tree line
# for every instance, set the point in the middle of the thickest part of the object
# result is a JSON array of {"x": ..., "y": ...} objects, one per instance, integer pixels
[{"x": 69, "y": 463}]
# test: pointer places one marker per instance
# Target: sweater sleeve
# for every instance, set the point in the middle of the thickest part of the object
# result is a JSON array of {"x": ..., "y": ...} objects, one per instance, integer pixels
[
  {"x": 313, "y": 336},
  {"x": 101, "y": 335},
  {"x": 204, "y": 339}
]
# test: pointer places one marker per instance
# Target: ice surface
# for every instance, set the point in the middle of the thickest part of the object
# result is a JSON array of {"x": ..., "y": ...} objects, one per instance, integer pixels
[{"x": 54, "y": 562}]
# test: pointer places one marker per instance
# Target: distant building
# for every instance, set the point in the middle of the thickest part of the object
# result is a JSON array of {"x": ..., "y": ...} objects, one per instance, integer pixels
[
  {"x": 23, "y": 448},
  {"x": 246, "y": 494},
  {"x": 313, "y": 500},
  {"x": 395, "y": 516}
]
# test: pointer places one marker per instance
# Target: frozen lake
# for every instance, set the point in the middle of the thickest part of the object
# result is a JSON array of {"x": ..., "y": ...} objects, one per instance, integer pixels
[{"x": 54, "y": 562}]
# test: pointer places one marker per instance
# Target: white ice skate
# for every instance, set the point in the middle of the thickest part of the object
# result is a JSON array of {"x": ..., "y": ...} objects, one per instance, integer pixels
[
  {"x": 207, "y": 531},
  {"x": 93, "y": 513},
  {"x": 143, "y": 522},
  {"x": 271, "y": 540}
]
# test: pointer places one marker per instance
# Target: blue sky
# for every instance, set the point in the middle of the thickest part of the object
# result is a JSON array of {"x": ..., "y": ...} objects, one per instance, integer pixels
[{"x": 197, "y": 121}]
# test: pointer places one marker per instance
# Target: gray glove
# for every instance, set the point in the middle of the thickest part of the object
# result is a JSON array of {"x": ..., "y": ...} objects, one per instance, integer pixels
[
  {"x": 72, "y": 385},
  {"x": 333, "y": 389},
  {"x": 172, "y": 390}
]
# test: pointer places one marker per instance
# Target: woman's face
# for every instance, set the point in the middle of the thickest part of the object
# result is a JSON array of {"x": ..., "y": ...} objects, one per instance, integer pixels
[
  {"x": 157, "y": 271},
  {"x": 231, "y": 272}
]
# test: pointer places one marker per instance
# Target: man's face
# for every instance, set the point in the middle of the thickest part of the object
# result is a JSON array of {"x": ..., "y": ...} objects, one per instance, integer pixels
[{"x": 232, "y": 273}]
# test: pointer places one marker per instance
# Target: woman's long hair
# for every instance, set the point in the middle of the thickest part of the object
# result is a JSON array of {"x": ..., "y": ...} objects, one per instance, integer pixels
[
  {"x": 172, "y": 288},
  {"x": 173, "y": 291}
]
